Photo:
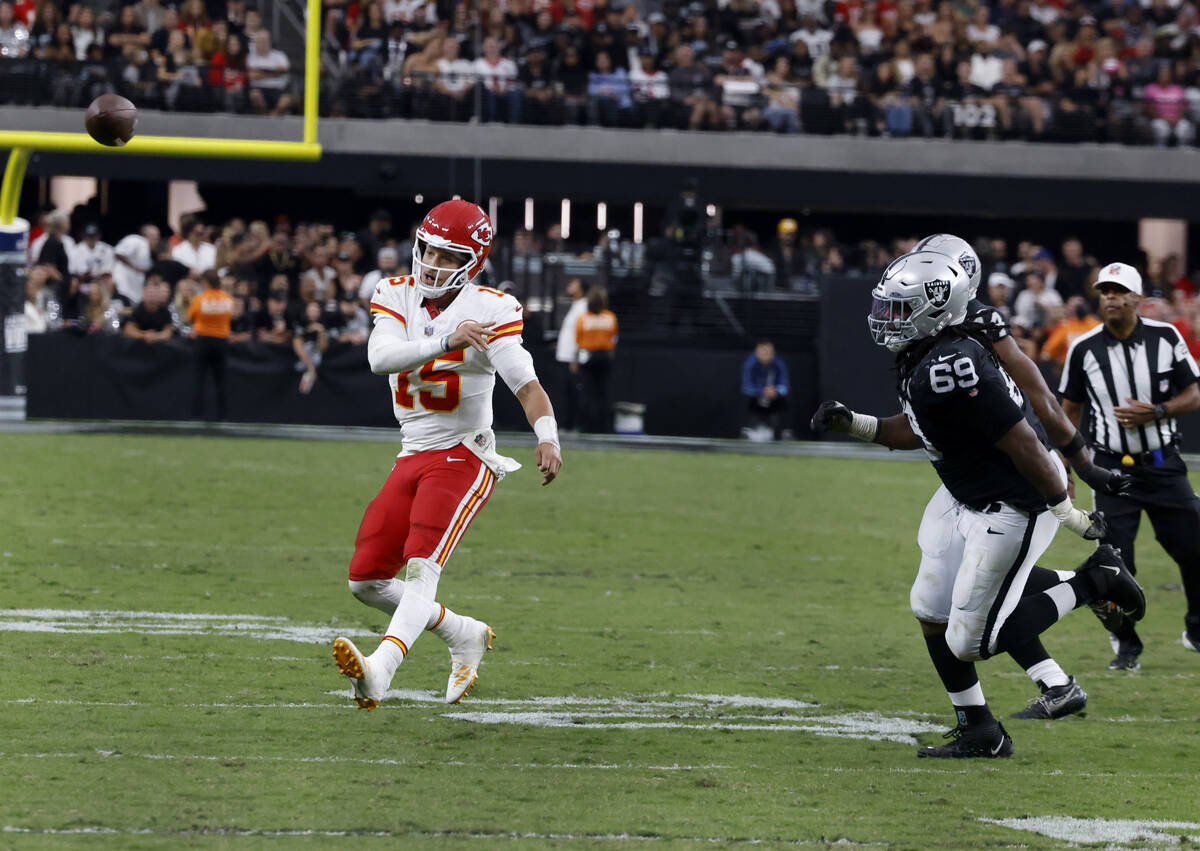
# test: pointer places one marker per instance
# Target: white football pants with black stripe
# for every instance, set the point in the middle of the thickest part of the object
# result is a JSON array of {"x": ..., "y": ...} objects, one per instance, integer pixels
[{"x": 974, "y": 565}]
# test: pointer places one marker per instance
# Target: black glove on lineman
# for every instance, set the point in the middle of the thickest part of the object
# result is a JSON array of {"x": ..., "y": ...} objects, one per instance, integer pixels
[
  {"x": 1107, "y": 482},
  {"x": 832, "y": 416}
]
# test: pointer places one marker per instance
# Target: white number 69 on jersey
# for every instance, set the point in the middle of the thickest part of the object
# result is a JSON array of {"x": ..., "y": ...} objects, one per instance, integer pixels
[{"x": 944, "y": 377}]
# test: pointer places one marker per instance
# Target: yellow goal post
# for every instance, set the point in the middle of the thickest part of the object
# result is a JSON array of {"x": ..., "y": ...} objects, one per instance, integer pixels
[{"x": 23, "y": 143}]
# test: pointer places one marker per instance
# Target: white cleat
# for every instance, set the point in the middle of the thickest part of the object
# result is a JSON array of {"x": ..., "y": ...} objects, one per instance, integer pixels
[
  {"x": 465, "y": 656},
  {"x": 368, "y": 685}
]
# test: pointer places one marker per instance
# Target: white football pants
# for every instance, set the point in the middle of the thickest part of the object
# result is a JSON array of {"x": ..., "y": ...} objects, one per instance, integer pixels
[{"x": 974, "y": 565}]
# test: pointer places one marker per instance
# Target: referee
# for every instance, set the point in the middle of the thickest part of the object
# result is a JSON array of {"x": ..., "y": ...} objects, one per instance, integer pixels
[{"x": 1135, "y": 376}]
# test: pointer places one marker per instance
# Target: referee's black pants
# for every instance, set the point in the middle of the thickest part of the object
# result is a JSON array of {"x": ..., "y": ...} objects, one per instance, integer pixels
[
  {"x": 212, "y": 353},
  {"x": 1166, "y": 495}
]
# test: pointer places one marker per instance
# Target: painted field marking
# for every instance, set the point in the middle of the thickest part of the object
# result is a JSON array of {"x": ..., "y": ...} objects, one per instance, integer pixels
[
  {"x": 100, "y": 830},
  {"x": 558, "y": 766},
  {"x": 105, "y": 622},
  {"x": 1098, "y": 830}
]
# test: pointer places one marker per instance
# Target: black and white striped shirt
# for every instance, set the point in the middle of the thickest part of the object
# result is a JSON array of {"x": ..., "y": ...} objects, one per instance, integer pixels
[{"x": 1151, "y": 365}]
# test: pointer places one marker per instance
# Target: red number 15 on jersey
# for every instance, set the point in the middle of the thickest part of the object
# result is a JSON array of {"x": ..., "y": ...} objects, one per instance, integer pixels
[{"x": 437, "y": 389}]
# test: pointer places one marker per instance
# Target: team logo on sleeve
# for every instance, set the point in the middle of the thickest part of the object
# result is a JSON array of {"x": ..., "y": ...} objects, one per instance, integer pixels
[
  {"x": 938, "y": 292},
  {"x": 967, "y": 261}
]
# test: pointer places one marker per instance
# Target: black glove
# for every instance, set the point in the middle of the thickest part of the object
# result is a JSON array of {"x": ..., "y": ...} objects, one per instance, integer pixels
[
  {"x": 1099, "y": 527},
  {"x": 1107, "y": 482},
  {"x": 831, "y": 416}
]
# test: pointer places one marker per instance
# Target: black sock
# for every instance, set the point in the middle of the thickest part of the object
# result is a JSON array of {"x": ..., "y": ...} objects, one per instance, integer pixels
[
  {"x": 1040, "y": 579},
  {"x": 1085, "y": 587},
  {"x": 1028, "y": 654},
  {"x": 955, "y": 674},
  {"x": 1032, "y": 617},
  {"x": 971, "y": 715}
]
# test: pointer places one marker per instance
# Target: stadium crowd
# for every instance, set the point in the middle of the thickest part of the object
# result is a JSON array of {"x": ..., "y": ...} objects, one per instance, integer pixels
[
  {"x": 1061, "y": 70},
  {"x": 306, "y": 286}
]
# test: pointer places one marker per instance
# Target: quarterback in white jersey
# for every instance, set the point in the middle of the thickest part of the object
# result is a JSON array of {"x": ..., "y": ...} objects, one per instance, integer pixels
[{"x": 441, "y": 340}]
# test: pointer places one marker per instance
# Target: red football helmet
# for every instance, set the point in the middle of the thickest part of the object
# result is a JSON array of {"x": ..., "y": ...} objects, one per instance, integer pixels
[{"x": 459, "y": 227}]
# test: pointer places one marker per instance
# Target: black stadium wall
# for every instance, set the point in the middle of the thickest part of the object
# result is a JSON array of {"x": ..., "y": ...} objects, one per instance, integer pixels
[{"x": 686, "y": 391}]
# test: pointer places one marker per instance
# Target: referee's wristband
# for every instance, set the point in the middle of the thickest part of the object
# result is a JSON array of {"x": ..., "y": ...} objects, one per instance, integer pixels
[{"x": 546, "y": 429}]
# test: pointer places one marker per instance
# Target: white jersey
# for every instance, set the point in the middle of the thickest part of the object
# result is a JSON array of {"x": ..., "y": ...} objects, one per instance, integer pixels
[{"x": 448, "y": 401}]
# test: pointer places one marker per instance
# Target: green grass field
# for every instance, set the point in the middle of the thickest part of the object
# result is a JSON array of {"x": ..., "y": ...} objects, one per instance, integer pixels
[{"x": 693, "y": 650}]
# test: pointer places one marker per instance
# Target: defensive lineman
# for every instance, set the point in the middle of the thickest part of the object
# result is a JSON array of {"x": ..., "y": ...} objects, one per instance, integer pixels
[
  {"x": 441, "y": 341},
  {"x": 984, "y": 442},
  {"x": 1136, "y": 376},
  {"x": 1060, "y": 694}
]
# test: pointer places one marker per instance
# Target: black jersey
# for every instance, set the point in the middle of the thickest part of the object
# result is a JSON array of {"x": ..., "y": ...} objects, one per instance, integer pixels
[
  {"x": 987, "y": 320},
  {"x": 960, "y": 402}
]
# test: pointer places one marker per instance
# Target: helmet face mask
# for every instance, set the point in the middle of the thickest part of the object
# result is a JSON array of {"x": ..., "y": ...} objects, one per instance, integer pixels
[
  {"x": 445, "y": 277},
  {"x": 960, "y": 251},
  {"x": 461, "y": 233},
  {"x": 918, "y": 296}
]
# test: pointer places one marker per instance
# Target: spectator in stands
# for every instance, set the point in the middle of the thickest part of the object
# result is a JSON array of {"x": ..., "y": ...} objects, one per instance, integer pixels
[
  {"x": 309, "y": 341},
  {"x": 45, "y": 29},
  {"x": 930, "y": 113},
  {"x": 691, "y": 90},
  {"x": 596, "y": 339},
  {"x": 373, "y": 237},
  {"x": 1165, "y": 102},
  {"x": 85, "y": 32},
  {"x": 540, "y": 103},
  {"x": 782, "y": 93},
  {"x": 271, "y": 325},
  {"x": 610, "y": 102},
  {"x": 55, "y": 246},
  {"x": 14, "y": 35},
  {"x": 322, "y": 274},
  {"x": 651, "y": 90},
  {"x": 133, "y": 257},
  {"x": 37, "y": 317},
  {"x": 1079, "y": 320},
  {"x": 100, "y": 314},
  {"x": 1032, "y": 303},
  {"x": 185, "y": 291},
  {"x": 750, "y": 266},
  {"x": 92, "y": 257},
  {"x": 1074, "y": 270},
  {"x": 194, "y": 253},
  {"x": 739, "y": 84},
  {"x": 388, "y": 266},
  {"x": 999, "y": 293},
  {"x": 765, "y": 387},
  {"x": 571, "y": 76},
  {"x": 455, "y": 78},
  {"x": 354, "y": 326},
  {"x": 268, "y": 70},
  {"x": 497, "y": 75},
  {"x": 228, "y": 75},
  {"x": 150, "y": 320}
]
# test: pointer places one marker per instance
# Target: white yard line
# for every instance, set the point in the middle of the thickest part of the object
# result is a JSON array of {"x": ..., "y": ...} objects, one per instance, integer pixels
[
  {"x": 100, "y": 830},
  {"x": 1088, "y": 831}
]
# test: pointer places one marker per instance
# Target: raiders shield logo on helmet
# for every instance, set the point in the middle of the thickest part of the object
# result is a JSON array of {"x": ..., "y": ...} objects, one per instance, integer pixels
[
  {"x": 938, "y": 292},
  {"x": 967, "y": 261}
]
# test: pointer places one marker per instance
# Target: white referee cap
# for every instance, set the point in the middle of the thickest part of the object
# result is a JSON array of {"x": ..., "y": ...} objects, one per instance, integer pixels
[{"x": 1122, "y": 275}]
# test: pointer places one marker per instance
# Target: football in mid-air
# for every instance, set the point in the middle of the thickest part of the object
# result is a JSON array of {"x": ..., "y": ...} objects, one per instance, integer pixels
[{"x": 110, "y": 120}]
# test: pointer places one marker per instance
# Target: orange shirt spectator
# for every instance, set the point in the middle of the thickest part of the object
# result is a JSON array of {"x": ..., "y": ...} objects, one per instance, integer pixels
[
  {"x": 596, "y": 332},
  {"x": 211, "y": 312},
  {"x": 1064, "y": 333}
]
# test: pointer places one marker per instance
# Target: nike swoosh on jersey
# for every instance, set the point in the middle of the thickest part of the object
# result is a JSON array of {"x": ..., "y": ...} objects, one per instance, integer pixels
[
  {"x": 945, "y": 357},
  {"x": 448, "y": 458},
  {"x": 993, "y": 532}
]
